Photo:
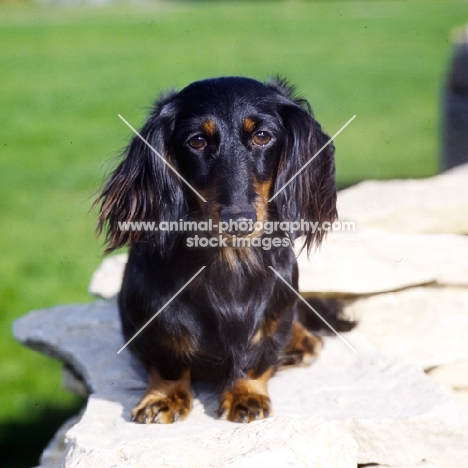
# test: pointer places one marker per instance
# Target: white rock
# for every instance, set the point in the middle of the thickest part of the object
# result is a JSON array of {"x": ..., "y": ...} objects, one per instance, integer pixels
[
  {"x": 448, "y": 463},
  {"x": 438, "y": 463},
  {"x": 423, "y": 464},
  {"x": 435, "y": 205},
  {"x": 107, "y": 279},
  {"x": 370, "y": 262},
  {"x": 462, "y": 395},
  {"x": 353, "y": 263},
  {"x": 453, "y": 375},
  {"x": 426, "y": 326},
  {"x": 296, "y": 441},
  {"x": 397, "y": 414}
]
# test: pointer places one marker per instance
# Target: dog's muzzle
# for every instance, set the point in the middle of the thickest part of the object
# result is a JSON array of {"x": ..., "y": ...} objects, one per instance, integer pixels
[{"x": 238, "y": 220}]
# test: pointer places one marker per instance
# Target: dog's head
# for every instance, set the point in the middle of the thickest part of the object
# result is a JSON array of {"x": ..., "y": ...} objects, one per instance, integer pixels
[{"x": 238, "y": 150}]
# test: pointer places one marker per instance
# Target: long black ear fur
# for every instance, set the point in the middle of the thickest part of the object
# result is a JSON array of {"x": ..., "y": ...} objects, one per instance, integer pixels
[
  {"x": 311, "y": 195},
  {"x": 142, "y": 188}
]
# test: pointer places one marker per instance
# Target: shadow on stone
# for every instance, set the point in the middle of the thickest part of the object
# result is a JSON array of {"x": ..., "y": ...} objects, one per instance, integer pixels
[{"x": 21, "y": 444}]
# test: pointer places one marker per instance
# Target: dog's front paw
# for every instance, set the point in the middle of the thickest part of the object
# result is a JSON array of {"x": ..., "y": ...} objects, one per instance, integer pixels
[
  {"x": 162, "y": 409},
  {"x": 244, "y": 407}
]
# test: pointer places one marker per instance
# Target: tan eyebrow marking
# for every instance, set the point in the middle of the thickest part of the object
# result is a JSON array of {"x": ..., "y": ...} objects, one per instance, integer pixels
[
  {"x": 209, "y": 127},
  {"x": 249, "y": 125}
]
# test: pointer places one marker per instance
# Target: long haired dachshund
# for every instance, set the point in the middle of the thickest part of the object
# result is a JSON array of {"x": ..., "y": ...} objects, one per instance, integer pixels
[{"x": 232, "y": 144}]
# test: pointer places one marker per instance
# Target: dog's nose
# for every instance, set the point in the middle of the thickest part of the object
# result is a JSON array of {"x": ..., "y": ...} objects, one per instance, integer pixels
[{"x": 238, "y": 221}]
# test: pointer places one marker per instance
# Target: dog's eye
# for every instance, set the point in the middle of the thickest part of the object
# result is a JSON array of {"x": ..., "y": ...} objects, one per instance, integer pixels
[
  {"x": 261, "y": 138},
  {"x": 198, "y": 143}
]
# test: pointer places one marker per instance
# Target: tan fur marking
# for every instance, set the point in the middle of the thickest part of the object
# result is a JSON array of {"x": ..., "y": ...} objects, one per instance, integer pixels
[
  {"x": 266, "y": 329},
  {"x": 260, "y": 383},
  {"x": 165, "y": 401},
  {"x": 247, "y": 400},
  {"x": 232, "y": 256},
  {"x": 263, "y": 191},
  {"x": 302, "y": 348},
  {"x": 182, "y": 345},
  {"x": 209, "y": 127},
  {"x": 229, "y": 257},
  {"x": 249, "y": 125},
  {"x": 257, "y": 338}
]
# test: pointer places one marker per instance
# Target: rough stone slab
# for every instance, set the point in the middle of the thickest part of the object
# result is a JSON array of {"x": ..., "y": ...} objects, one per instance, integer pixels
[
  {"x": 370, "y": 262},
  {"x": 431, "y": 464},
  {"x": 448, "y": 463},
  {"x": 396, "y": 413},
  {"x": 423, "y": 464},
  {"x": 453, "y": 375},
  {"x": 432, "y": 205},
  {"x": 73, "y": 383},
  {"x": 462, "y": 395},
  {"x": 296, "y": 441},
  {"x": 353, "y": 263},
  {"x": 427, "y": 326}
]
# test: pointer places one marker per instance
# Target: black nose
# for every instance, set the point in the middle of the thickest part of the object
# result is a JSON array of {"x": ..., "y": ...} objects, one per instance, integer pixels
[{"x": 238, "y": 221}]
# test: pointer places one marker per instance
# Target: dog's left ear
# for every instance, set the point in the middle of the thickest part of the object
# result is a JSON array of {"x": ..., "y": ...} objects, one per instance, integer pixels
[{"x": 306, "y": 177}]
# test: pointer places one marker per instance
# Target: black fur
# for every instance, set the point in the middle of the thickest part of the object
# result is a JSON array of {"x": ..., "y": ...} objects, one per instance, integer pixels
[{"x": 210, "y": 327}]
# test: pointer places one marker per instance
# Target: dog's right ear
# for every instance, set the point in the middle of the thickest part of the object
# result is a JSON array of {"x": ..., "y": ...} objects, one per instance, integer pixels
[{"x": 143, "y": 189}]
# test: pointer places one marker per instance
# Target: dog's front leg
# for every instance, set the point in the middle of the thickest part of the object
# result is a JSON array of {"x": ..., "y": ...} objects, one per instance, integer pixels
[
  {"x": 165, "y": 401},
  {"x": 302, "y": 349},
  {"x": 247, "y": 400}
]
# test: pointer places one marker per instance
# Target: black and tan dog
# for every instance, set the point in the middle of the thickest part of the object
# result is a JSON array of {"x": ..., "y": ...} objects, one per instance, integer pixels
[{"x": 237, "y": 142}]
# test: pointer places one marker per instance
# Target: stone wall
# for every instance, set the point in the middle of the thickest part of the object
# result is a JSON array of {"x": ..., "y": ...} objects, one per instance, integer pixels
[{"x": 400, "y": 400}]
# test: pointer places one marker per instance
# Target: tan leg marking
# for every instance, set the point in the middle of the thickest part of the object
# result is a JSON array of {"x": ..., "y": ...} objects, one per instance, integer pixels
[
  {"x": 302, "y": 349},
  {"x": 247, "y": 400},
  {"x": 165, "y": 401}
]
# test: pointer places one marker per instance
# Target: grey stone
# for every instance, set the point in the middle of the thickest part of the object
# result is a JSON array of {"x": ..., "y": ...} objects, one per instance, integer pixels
[
  {"x": 73, "y": 383},
  {"x": 396, "y": 413}
]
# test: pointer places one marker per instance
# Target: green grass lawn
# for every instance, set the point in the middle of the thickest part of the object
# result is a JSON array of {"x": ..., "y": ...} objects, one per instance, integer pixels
[{"x": 67, "y": 72}]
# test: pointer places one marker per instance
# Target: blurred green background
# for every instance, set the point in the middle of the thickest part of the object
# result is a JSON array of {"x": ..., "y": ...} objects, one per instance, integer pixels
[{"x": 66, "y": 72}]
